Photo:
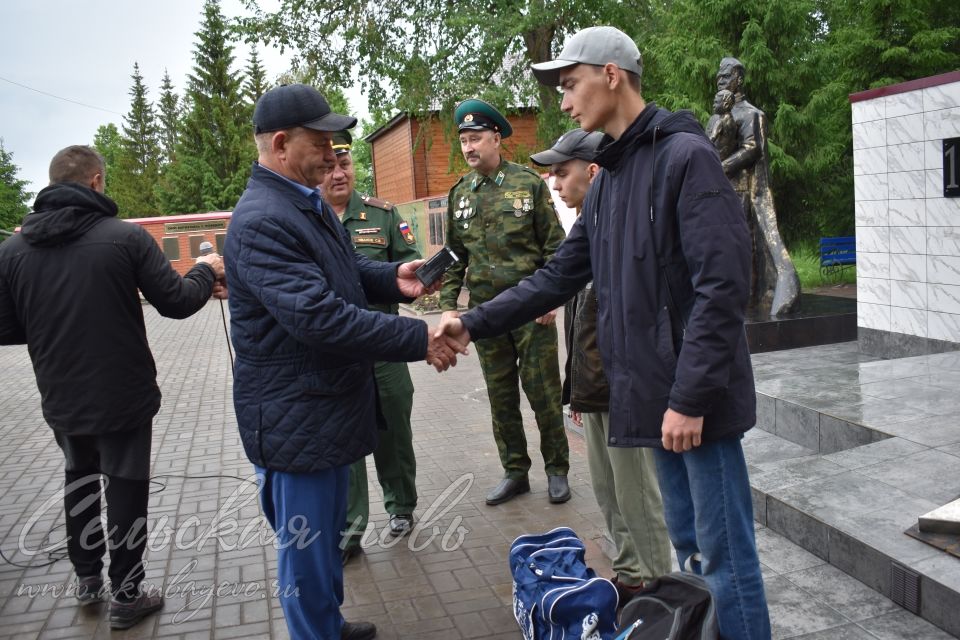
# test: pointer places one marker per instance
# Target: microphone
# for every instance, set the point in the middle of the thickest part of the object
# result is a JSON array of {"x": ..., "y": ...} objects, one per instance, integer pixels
[{"x": 206, "y": 248}]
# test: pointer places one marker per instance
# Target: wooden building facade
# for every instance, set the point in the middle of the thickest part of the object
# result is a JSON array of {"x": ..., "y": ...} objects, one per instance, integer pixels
[{"x": 411, "y": 160}]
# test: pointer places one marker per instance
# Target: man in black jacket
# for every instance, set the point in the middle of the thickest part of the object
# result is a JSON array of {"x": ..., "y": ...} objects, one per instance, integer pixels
[
  {"x": 68, "y": 290},
  {"x": 662, "y": 235}
]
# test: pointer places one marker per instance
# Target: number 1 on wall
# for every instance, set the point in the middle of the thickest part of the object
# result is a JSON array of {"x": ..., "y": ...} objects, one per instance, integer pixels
[{"x": 951, "y": 168}]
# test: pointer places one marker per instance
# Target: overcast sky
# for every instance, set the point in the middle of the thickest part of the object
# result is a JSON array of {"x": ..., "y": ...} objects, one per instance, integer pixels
[{"x": 85, "y": 52}]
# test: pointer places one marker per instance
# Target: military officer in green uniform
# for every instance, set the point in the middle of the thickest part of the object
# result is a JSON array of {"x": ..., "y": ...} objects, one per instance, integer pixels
[
  {"x": 381, "y": 234},
  {"x": 501, "y": 223}
]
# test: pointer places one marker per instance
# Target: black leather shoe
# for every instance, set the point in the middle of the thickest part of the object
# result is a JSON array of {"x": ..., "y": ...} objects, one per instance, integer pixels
[
  {"x": 507, "y": 489},
  {"x": 358, "y": 631},
  {"x": 401, "y": 524},
  {"x": 558, "y": 489},
  {"x": 351, "y": 552}
]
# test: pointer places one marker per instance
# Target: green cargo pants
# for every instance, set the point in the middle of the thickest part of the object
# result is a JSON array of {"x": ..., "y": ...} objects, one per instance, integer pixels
[
  {"x": 527, "y": 354},
  {"x": 625, "y": 483},
  {"x": 393, "y": 457}
]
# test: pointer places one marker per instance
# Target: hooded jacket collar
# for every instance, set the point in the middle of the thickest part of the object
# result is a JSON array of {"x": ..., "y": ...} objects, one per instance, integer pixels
[
  {"x": 652, "y": 123},
  {"x": 64, "y": 212}
]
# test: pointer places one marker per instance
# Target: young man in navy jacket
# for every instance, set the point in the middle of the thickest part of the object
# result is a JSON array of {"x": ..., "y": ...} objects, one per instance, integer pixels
[{"x": 663, "y": 237}]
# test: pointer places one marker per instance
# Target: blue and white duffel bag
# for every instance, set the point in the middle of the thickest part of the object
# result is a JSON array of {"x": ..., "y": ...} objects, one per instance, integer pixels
[{"x": 555, "y": 595}]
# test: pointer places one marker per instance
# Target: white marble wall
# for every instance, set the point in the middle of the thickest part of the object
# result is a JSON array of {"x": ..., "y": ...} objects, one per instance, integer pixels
[{"x": 908, "y": 234}]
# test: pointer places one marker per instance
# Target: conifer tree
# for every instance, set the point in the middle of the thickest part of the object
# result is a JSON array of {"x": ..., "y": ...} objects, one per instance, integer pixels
[
  {"x": 215, "y": 149},
  {"x": 138, "y": 165},
  {"x": 168, "y": 115},
  {"x": 256, "y": 83},
  {"x": 13, "y": 193},
  {"x": 108, "y": 143}
]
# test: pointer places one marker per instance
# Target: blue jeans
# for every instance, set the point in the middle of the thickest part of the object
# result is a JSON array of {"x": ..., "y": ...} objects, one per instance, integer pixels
[
  {"x": 307, "y": 511},
  {"x": 706, "y": 503}
]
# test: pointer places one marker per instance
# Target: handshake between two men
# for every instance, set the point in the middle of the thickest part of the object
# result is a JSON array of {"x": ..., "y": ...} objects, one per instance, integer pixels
[{"x": 442, "y": 349}]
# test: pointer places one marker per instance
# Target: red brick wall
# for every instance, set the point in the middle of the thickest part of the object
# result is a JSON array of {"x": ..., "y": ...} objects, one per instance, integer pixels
[{"x": 155, "y": 228}]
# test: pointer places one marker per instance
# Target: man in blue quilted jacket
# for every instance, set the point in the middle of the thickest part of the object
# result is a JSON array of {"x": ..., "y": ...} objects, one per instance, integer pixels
[{"x": 306, "y": 344}]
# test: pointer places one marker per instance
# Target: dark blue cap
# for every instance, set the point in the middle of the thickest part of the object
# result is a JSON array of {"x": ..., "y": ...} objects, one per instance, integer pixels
[{"x": 297, "y": 105}]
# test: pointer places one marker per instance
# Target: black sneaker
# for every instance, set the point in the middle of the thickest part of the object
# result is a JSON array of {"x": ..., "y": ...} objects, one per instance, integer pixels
[
  {"x": 124, "y": 615},
  {"x": 89, "y": 590},
  {"x": 401, "y": 525}
]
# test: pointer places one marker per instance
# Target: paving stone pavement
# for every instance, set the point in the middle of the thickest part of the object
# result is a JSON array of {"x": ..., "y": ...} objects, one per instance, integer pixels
[{"x": 209, "y": 548}]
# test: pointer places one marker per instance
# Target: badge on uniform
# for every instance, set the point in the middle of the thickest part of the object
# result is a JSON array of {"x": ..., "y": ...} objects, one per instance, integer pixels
[
  {"x": 362, "y": 232},
  {"x": 500, "y": 177},
  {"x": 407, "y": 233},
  {"x": 463, "y": 210},
  {"x": 363, "y": 215}
]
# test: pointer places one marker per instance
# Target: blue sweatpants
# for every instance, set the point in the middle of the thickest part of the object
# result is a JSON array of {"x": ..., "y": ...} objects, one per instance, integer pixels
[{"x": 307, "y": 510}]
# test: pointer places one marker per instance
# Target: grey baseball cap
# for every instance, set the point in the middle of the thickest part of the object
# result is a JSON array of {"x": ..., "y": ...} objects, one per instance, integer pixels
[
  {"x": 573, "y": 144},
  {"x": 596, "y": 46}
]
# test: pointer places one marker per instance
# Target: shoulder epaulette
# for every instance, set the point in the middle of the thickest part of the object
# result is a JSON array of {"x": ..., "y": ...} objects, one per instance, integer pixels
[
  {"x": 376, "y": 202},
  {"x": 458, "y": 182},
  {"x": 529, "y": 170}
]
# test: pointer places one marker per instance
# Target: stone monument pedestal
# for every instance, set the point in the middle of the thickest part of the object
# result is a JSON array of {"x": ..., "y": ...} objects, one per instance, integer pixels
[{"x": 820, "y": 320}]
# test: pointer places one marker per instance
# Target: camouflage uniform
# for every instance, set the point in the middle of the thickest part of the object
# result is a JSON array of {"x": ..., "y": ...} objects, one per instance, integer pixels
[
  {"x": 504, "y": 227},
  {"x": 381, "y": 234}
]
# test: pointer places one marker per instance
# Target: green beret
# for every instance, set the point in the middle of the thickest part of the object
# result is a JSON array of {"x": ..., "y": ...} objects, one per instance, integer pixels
[
  {"x": 475, "y": 114},
  {"x": 342, "y": 142}
]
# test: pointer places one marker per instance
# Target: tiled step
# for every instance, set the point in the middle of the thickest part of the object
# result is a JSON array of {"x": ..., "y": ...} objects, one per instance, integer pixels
[{"x": 851, "y": 507}]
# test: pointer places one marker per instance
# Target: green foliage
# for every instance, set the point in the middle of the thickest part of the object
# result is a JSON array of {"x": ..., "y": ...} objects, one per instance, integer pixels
[
  {"x": 429, "y": 54},
  {"x": 136, "y": 168},
  {"x": 215, "y": 149},
  {"x": 13, "y": 193},
  {"x": 803, "y": 59},
  {"x": 168, "y": 116},
  {"x": 108, "y": 144},
  {"x": 362, "y": 161},
  {"x": 806, "y": 260},
  {"x": 256, "y": 83}
]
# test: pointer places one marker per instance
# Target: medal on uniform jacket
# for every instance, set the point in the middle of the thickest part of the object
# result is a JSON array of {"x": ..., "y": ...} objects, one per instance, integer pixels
[{"x": 468, "y": 209}]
